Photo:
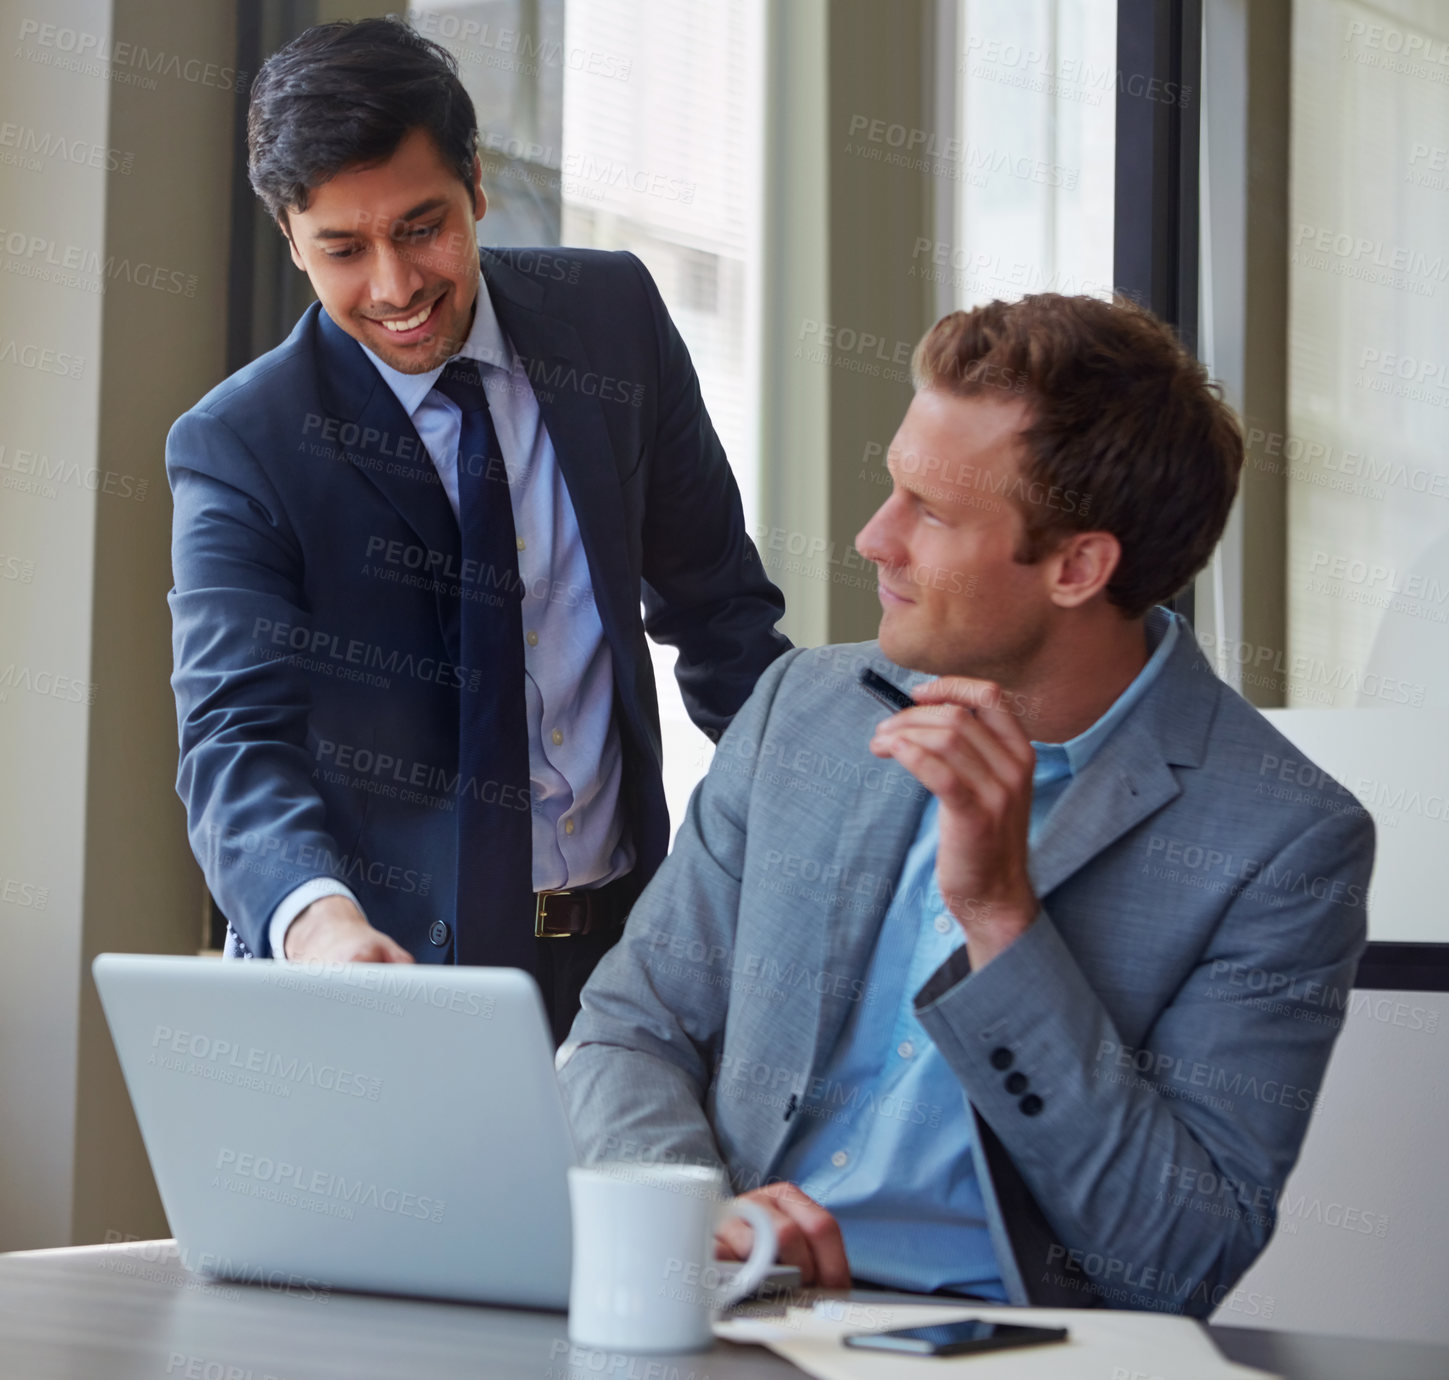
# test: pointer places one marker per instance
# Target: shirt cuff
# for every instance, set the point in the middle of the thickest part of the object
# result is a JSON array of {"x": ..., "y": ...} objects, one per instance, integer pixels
[{"x": 295, "y": 902}]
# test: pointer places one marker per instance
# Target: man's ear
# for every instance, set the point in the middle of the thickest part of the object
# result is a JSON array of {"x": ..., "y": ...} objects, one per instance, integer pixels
[
  {"x": 480, "y": 197},
  {"x": 286, "y": 230},
  {"x": 1081, "y": 567}
]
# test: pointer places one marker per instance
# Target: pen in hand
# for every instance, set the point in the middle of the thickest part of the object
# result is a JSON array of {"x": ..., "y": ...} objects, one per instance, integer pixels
[{"x": 892, "y": 696}]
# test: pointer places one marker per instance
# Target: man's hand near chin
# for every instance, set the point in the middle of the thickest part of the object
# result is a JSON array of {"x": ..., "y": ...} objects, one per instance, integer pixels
[
  {"x": 809, "y": 1236},
  {"x": 333, "y": 930},
  {"x": 969, "y": 751}
]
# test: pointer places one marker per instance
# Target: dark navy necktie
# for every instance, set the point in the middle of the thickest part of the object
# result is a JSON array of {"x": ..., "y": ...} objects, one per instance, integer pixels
[{"x": 494, "y": 920}]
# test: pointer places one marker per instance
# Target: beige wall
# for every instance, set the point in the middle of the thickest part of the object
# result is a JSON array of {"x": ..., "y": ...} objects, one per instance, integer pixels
[
  {"x": 161, "y": 350},
  {"x": 794, "y": 390},
  {"x": 45, "y": 612},
  {"x": 879, "y": 56},
  {"x": 92, "y": 814},
  {"x": 840, "y": 228}
]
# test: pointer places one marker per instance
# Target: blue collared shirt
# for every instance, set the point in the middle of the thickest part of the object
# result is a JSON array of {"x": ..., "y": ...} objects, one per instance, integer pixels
[
  {"x": 575, "y": 759},
  {"x": 884, "y": 1137}
]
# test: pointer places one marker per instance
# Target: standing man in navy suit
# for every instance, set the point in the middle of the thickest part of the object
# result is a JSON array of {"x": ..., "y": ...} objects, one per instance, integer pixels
[{"x": 418, "y": 718}]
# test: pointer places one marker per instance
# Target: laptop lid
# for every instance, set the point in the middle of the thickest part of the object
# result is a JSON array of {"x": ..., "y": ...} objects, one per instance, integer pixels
[{"x": 385, "y": 1127}]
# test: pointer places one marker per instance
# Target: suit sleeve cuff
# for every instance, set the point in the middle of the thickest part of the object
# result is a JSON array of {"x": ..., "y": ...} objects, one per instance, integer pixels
[
  {"x": 295, "y": 902},
  {"x": 1003, "y": 1029}
]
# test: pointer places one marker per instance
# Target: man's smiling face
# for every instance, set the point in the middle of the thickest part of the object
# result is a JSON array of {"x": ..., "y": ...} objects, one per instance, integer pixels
[{"x": 392, "y": 253}]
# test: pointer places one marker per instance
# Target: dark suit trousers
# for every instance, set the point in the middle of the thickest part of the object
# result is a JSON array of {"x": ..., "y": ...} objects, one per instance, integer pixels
[{"x": 564, "y": 965}]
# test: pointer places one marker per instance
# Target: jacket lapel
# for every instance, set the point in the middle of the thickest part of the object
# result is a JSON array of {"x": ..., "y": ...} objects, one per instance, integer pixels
[
  {"x": 1131, "y": 776},
  {"x": 380, "y": 442}
]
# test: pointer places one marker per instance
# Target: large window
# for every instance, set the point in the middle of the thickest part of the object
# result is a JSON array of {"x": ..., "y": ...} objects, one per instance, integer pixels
[
  {"x": 1330, "y": 595},
  {"x": 635, "y": 124},
  {"x": 668, "y": 165},
  {"x": 1037, "y": 102},
  {"x": 1367, "y": 440},
  {"x": 1368, "y": 525},
  {"x": 513, "y": 61}
]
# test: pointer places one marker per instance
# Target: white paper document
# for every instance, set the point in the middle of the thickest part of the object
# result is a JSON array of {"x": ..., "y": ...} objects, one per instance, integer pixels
[{"x": 1102, "y": 1344}]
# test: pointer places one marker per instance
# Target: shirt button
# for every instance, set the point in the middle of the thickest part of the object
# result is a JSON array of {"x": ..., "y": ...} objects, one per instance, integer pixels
[
  {"x": 533, "y": 639},
  {"x": 840, "y": 1159},
  {"x": 557, "y": 736},
  {"x": 520, "y": 543},
  {"x": 942, "y": 924},
  {"x": 905, "y": 1049},
  {"x": 568, "y": 826}
]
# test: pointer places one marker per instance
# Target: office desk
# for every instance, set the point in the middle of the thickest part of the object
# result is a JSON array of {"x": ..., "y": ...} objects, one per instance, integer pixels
[{"x": 133, "y": 1313}]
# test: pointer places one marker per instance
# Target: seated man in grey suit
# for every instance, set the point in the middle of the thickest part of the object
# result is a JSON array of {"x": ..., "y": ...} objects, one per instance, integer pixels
[{"x": 1026, "y": 991}]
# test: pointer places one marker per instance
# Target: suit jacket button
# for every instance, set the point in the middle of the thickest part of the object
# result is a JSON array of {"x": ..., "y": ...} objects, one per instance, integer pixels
[
  {"x": 1016, "y": 1083},
  {"x": 1001, "y": 1057},
  {"x": 1030, "y": 1105},
  {"x": 439, "y": 933}
]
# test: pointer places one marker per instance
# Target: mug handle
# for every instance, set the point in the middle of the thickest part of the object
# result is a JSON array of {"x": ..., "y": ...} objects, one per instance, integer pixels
[{"x": 762, "y": 1253}]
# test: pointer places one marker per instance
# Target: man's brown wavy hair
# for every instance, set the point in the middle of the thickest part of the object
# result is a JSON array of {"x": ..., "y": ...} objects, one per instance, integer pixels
[{"x": 1119, "y": 413}]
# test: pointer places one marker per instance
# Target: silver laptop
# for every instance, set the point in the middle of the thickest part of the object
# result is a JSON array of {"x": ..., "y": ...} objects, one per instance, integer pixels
[{"x": 382, "y": 1127}]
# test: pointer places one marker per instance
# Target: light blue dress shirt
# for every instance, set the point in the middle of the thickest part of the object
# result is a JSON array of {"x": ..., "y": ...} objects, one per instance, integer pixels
[
  {"x": 883, "y": 1139},
  {"x": 575, "y": 759}
]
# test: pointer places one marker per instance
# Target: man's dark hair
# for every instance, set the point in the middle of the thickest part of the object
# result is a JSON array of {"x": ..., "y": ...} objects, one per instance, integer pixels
[
  {"x": 1125, "y": 432},
  {"x": 345, "y": 95}
]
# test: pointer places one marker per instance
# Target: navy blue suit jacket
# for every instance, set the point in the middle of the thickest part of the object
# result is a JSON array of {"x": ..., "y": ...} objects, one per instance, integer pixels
[{"x": 317, "y": 684}]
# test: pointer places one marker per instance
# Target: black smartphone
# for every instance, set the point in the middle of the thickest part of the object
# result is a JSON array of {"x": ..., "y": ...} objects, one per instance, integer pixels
[{"x": 957, "y": 1338}]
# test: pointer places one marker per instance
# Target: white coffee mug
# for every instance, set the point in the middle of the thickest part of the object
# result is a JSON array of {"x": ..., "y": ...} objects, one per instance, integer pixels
[{"x": 644, "y": 1273}]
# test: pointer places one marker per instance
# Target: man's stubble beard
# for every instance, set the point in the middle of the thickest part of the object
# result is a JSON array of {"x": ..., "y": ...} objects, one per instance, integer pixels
[
  {"x": 1004, "y": 666},
  {"x": 444, "y": 347}
]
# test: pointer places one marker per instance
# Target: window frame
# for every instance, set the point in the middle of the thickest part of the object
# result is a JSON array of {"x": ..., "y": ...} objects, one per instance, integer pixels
[{"x": 1155, "y": 254}]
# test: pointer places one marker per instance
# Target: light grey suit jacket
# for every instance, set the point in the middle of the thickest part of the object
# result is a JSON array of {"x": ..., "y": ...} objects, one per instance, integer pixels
[{"x": 1172, "y": 1007}]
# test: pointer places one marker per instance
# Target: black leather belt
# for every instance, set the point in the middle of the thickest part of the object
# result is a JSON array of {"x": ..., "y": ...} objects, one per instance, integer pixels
[{"x": 568, "y": 914}]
